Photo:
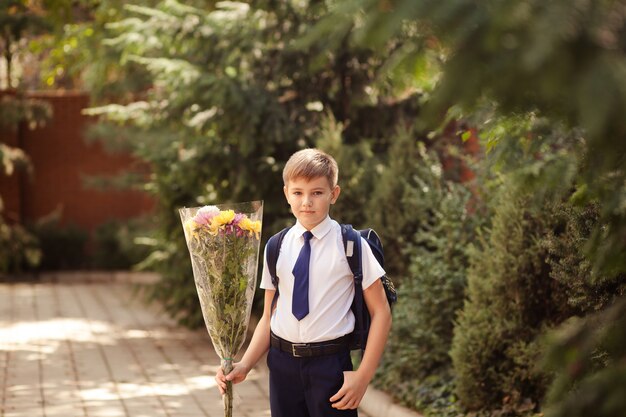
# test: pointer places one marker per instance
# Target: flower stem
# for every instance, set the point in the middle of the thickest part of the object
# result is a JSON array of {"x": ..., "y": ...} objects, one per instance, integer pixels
[{"x": 227, "y": 367}]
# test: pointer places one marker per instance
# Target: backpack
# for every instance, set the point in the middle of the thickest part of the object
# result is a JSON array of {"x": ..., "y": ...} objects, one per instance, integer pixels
[{"x": 352, "y": 247}]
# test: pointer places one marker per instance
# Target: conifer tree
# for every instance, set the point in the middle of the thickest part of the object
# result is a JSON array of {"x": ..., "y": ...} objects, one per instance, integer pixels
[
  {"x": 510, "y": 300},
  {"x": 432, "y": 292}
]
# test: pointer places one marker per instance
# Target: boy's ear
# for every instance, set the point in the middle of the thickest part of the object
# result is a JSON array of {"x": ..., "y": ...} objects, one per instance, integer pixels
[
  {"x": 335, "y": 194},
  {"x": 286, "y": 191}
]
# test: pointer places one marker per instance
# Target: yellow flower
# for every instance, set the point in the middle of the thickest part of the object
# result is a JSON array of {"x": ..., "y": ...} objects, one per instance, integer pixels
[
  {"x": 223, "y": 218},
  {"x": 252, "y": 227},
  {"x": 191, "y": 228}
]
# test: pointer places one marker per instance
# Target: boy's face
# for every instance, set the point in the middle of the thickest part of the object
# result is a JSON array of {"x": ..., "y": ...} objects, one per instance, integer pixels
[{"x": 310, "y": 200}]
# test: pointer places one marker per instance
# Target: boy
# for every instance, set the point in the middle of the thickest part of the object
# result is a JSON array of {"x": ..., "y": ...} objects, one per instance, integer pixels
[{"x": 307, "y": 333}]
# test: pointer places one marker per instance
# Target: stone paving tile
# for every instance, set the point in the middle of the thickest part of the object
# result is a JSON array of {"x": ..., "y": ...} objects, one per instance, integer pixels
[{"x": 92, "y": 350}]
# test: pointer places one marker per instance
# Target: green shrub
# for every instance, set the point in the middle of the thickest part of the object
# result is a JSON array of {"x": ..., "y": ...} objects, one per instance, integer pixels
[
  {"x": 586, "y": 356},
  {"x": 19, "y": 249},
  {"x": 530, "y": 271},
  {"x": 586, "y": 291},
  {"x": 438, "y": 261},
  {"x": 116, "y": 247},
  {"x": 511, "y": 299},
  {"x": 429, "y": 299},
  {"x": 406, "y": 191},
  {"x": 62, "y": 247},
  {"x": 425, "y": 227},
  {"x": 392, "y": 192}
]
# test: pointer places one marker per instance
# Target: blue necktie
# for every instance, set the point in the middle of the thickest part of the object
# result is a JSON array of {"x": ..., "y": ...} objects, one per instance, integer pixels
[{"x": 300, "y": 297}]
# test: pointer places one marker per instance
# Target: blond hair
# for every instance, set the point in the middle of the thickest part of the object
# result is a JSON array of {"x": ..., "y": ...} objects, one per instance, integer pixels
[{"x": 309, "y": 164}]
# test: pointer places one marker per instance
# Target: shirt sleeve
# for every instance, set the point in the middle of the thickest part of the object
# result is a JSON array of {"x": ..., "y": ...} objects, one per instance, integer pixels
[
  {"x": 266, "y": 278},
  {"x": 371, "y": 268}
]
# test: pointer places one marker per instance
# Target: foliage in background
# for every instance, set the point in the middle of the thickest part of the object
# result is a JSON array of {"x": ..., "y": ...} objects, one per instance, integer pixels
[
  {"x": 537, "y": 155},
  {"x": 19, "y": 248},
  {"x": 70, "y": 53},
  {"x": 529, "y": 275},
  {"x": 564, "y": 59},
  {"x": 431, "y": 389},
  {"x": 541, "y": 158},
  {"x": 378, "y": 185},
  {"x": 230, "y": 99},
  {"x": 426, "y": 226},
  {"x": 585, "y": 290},
  {"x": 121, "y": 245},
  {"x": 587, "y": 357},
  {"x": 114, "y": 245},
  {"x": 510, "y": 299},
  {"x": 18, "y": 19},
  {"x": 16, "y": 108},
  {"x": 62, "y": 246},
  {"x": 432, "y": 292},
  {"x": 244, "y": 85},
  {"x": 561, "y": 60}
]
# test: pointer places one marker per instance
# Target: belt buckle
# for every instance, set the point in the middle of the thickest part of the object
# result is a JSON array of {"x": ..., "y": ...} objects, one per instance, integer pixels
[{"x": 297, "y": 345}]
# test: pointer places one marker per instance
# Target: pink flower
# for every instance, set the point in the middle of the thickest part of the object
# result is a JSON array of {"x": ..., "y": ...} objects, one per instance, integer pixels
[
  {"x": 205, "y": 214},
  {"x": 238, "y": 218}
]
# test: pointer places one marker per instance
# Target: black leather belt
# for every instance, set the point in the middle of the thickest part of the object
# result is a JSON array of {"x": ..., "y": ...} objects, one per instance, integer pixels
[{"x": 302, "y": 350}]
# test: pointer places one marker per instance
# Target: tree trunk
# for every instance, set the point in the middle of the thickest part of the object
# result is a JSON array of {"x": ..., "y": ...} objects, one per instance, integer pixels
[{"x": 8, "y": 56}]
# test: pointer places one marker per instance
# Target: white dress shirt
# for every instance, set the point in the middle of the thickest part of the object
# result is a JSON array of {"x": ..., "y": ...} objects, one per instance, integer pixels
[{"x": 331, "y": 284}]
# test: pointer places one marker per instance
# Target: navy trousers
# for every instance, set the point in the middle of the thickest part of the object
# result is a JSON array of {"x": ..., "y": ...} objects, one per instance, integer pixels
[{"x": 302, "y": 387}]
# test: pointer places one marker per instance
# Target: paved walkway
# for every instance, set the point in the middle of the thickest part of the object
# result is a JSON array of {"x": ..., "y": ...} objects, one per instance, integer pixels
[{"x": 79, "y": 349}]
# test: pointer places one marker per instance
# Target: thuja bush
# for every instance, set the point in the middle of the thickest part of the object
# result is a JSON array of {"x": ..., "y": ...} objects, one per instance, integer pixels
[
  {"x": 586, "y": 356},
  {"x": 426, "y": 228},
  {"x": 511, "y": 299},
  {"x": 416, "y": 365},
  {"x": 586, "y": 290}
]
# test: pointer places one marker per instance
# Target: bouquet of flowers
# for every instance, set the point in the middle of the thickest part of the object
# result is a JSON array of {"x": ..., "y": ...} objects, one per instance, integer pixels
[{"x": 223, "y": 242}]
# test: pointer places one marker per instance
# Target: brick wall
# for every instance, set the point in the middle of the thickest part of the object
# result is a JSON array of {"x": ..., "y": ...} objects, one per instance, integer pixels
[{"x": 61, "y": 158}]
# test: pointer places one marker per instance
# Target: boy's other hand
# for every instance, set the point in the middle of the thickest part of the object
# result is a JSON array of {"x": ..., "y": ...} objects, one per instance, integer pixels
[
  {"x": 238, "y": 374},
  {"x": 351, "y": 393}
]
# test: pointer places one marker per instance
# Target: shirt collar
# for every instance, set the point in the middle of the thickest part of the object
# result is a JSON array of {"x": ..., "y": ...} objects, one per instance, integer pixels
[{"x": 318, "y": 231}]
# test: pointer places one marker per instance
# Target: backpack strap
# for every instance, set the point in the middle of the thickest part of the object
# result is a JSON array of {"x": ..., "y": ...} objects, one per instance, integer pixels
[
  {"x": 272, "y": 250},
  {"x": 352, "y": 246}
]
